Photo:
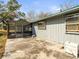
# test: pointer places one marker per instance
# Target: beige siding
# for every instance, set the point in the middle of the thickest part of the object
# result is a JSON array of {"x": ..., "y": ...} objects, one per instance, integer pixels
[
  {"x": 56, "y": 31},
  {"x": 42, "y": 34},
  {"x": 72, "y": 38}
]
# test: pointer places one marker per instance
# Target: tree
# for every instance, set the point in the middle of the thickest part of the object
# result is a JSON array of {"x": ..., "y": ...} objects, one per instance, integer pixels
[
  {"x": 10, "y": 12},
  {"x": 67, "y": 4},
  {"x": 33, "y": 16},
  {"x": 42, "y": 15}
]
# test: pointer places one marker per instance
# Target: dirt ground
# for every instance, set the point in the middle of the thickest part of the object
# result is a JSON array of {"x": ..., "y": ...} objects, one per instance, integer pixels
[{"x": 30, "y": 48}]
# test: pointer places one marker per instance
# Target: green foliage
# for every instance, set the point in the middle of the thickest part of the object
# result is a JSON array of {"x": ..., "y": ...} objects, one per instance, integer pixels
[
  {"x": 6, "y": 15},
  {"x": 21, "y": 22},
  {"x": 21, "y": 14},
  {"x": 10, "y": 10},
  {"x": 0, "y": 4},
  {"x": 13, "y": 5}
]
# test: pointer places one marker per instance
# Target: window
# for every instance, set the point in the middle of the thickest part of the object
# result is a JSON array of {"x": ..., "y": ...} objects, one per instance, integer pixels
[
  {"x": 72, "y": 24},
  {"x": 42, "y": 25}
]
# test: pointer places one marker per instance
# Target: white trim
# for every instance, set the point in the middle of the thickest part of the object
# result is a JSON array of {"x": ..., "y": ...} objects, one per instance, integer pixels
[{"x": 72, "y": 32}]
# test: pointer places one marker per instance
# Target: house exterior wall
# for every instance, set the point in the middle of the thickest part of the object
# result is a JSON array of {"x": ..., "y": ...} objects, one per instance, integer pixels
[
  {"x": 56, "y": 28},
  {"x": 42, "y": 34},
  {"x": 56, "y": 31}
]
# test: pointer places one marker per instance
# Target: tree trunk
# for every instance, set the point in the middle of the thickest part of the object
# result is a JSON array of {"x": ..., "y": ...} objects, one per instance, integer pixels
[{"x": 8, "y": 29}]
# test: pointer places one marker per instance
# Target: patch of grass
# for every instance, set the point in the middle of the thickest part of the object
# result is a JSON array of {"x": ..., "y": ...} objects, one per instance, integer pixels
[{"x": 3, "y": 39}]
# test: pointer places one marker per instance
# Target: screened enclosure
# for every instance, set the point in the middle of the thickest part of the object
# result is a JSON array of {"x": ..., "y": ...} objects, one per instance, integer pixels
[{"x": 20, "y": 31}]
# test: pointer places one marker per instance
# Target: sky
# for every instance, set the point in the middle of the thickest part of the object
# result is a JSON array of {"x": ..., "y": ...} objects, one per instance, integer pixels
[{"x": 44, "y": 5}]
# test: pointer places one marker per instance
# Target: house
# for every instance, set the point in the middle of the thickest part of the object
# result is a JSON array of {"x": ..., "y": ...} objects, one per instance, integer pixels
[{"x": 60, "y": 27}]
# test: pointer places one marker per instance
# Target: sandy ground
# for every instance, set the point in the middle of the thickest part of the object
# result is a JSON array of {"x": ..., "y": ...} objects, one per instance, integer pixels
[{"x": 30, "y": 48}]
